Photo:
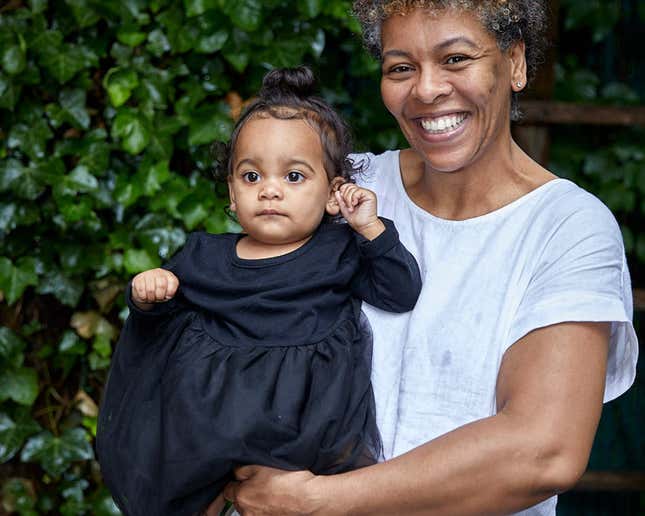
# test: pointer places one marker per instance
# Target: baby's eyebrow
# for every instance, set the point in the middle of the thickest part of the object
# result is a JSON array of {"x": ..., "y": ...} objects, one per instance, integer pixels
[{"x": 245, "y": 161}]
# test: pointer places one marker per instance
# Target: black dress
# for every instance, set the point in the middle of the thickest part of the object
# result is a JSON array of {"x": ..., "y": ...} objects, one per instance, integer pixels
[{"x": 253, "y": 362}]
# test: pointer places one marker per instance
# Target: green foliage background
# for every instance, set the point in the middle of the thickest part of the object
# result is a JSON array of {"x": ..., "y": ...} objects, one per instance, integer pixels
[{"x": 107, "y": 112}]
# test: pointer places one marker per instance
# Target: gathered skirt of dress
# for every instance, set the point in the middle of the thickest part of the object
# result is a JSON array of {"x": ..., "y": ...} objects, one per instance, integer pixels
[{"x": 181, "y": 410}]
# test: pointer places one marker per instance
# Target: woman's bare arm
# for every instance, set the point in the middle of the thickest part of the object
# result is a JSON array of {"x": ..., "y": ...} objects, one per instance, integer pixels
[{"x": 549, "y": 396}]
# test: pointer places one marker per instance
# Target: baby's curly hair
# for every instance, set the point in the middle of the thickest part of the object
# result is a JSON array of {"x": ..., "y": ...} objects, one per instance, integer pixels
[
  {"x": 289, "y": 94},
  {"x": 508, "y": 20}
]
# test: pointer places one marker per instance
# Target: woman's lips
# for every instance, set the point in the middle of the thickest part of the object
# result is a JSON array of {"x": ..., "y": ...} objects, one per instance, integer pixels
[{"x": 443, "y": 124}]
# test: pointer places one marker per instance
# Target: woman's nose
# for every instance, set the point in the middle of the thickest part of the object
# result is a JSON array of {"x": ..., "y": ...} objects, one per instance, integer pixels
[{"x": 431, "y": 86}]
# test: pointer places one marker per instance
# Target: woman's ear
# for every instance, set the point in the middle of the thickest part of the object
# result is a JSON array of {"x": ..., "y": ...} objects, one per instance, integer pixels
[
  {"x": 231, "y": 196},
  {"x": 517, "y": 57},
  {"x": 332, "y": 206}
]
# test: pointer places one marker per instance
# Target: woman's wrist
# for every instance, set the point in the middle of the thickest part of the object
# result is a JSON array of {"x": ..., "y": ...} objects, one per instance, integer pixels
[{"x": 324, "y": 496}]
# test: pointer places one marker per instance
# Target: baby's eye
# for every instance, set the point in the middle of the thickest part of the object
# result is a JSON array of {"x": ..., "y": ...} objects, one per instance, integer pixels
[
  {"x": 295, "y": 177},
  {"x": 251, "y": 177},
  {"x": 456, "y": 59}
]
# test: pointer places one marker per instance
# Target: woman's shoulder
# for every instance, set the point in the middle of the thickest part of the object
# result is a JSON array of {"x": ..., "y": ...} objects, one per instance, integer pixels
[
  {"x": 564, "y": 199},
  {"x": 565, "y": 214},
  {"x": 375, "y": 168}
]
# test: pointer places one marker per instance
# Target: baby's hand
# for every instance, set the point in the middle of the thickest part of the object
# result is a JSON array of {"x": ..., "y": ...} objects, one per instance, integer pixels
[
  {"x": 358, "y": 207},
  {"x": 153, "y": 286}
]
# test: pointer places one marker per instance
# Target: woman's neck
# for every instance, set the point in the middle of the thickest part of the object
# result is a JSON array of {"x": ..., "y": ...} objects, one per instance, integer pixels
[{"x": 480, "y": 188}]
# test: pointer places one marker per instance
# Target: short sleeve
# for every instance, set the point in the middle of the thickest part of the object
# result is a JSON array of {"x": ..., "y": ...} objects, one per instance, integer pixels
[{"x": 581, "y": 276}]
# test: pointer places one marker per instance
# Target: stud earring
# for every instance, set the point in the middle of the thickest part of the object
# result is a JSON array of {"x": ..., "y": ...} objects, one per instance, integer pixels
[{"x": 518, "y": 84}]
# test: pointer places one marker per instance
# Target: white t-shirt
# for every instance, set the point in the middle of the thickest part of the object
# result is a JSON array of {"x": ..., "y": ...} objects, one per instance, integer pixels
[{"x": 554, "y": 255}]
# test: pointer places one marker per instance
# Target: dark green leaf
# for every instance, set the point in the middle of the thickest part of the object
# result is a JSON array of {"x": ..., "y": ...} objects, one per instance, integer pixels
[
  {"x": 96, "y": 157},
  {"x": 138, "y": 260},
  {"x": 55, "y": 454},
  {"x": 133, "y": 131},
  {"x": 14, "y": 432},
  {"x": 97, "y": 362},
  {"x": 154, "y": 176},
  {"x": 310, "y": 8},
  {"x": 102, "y": 346},
  {"x": 45, "y": 42},
  {"x": 37, "y": 6},
  {"x": 31, "y": 139},
  {"x": 245, "y": 14},
  {"x": 130, "y": 36},
  {"x": 212, "y": 42},
  {"x": 14, "y": 59},
  {"x": 197, "y": 7},
  {"x": 81, "y": 180},
  {"x": 119, "y": 83},
  {"x": 13, "y": 215},
  {"x": 208, "y": 125},
  {"x": 66, "y": 289},
  {"x": 9, "y": 92},
  {"x": 14, "y": 279},
  {"x": 76, "y": 209},
  {"x": 103, "y": 505},
  {"x": 193, "y": 210},
  {"x": 11, "y": 347},
  {"x": 83, "y": 12},
  {"x": 157, "y": 43},
  {"x": 73, "y": 102},
  {"x": 71, "y": 344},
  {"x": 19, "y": 385},
  {"x": 64, "y": 63}
]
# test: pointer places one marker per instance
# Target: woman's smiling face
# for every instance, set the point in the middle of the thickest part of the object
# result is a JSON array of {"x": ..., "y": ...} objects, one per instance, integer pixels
[{"x": 448, "y": 85}]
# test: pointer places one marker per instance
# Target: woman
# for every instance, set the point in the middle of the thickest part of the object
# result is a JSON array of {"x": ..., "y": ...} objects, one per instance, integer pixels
[{"x": 489, "y": 393}]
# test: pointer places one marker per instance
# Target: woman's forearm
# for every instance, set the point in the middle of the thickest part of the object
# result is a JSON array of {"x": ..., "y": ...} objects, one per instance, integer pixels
[
  {"x": 549, "y": 395},
  {"x": 487, "y": 467}
]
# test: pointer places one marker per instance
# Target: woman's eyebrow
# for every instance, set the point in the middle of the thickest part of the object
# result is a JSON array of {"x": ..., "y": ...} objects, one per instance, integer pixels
[
  {"x": 457, "y": 39},
  {"x": 395, "y": 52}
]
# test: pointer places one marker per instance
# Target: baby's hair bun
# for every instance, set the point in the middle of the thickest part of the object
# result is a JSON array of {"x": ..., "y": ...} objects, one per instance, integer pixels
[{"x": 285, "y": 82}]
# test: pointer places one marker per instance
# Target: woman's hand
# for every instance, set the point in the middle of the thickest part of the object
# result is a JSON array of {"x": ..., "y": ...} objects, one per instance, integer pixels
[
  {"x": 153, "y": 286},
  {"x": 358, "y": 207},
  {"x": 263, "y": 491}
]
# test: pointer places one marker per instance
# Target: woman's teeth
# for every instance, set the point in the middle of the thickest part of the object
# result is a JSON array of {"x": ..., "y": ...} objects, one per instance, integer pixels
[{"x": 443, "y": 124}]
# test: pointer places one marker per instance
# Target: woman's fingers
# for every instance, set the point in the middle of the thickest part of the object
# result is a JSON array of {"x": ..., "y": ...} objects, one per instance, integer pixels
[{"x": 230, "y": 491}]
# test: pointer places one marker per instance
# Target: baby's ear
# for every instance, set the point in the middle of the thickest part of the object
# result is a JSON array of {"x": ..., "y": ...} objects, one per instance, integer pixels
[
  {"x": 231, "y": 196},
  {"x": 332, "y": 206}
]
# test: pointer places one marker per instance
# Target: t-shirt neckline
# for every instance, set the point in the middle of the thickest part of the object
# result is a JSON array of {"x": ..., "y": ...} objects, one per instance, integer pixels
[{"x": 499, "y": 212}]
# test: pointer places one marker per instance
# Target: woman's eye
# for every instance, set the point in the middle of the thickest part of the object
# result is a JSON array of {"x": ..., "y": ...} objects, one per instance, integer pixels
[
  {"x": 251, "y": 177},
  {"x": 456, "y": 59},
  {"x": 399, "y": 69},
  {"x": 295, "y": 177}
]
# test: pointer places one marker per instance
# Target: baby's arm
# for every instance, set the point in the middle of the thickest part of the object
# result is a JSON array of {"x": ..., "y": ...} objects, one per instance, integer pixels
[
  {"x": 153, "y": 286},
  {"x": 389, "y": 277}
]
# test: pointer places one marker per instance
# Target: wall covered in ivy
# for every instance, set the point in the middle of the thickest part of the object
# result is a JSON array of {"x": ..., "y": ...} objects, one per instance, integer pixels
[{"x": 107, "y": 112}]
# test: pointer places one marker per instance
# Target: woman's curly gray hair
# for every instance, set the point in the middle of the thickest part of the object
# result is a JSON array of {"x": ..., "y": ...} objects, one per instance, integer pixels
[{"x": 508, "y": 20}]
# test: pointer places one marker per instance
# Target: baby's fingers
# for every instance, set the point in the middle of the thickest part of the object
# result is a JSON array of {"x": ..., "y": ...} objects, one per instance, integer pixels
[
  {"x": 348, "y": 192},
  {"x": 154, "y": 286}
]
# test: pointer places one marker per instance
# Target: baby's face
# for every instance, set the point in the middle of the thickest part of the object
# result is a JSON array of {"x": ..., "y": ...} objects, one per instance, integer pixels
[{"x": 278, "y": 186}]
